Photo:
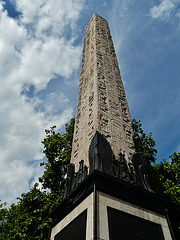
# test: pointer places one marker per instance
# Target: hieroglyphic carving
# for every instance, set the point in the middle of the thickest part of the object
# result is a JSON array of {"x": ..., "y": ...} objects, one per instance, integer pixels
[{"x": 102, "y": 103}]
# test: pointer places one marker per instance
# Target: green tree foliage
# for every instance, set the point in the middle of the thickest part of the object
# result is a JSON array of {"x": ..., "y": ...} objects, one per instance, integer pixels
[
  {"x": 57, "y": 148},
  {"x": 168, "y": 185},
  {"x": 168, "y": 173},
  {"x": 144, "y": 143},
  {"x": 164, "y": 176},
  {"x": 29, "y": 218}
]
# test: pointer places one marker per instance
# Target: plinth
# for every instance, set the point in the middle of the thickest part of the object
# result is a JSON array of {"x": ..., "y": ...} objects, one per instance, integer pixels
[{"x": 106, "y": 208}]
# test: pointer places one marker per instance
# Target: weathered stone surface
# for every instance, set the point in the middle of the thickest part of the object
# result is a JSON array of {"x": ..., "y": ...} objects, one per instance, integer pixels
[{"x": 102, "y": 104}]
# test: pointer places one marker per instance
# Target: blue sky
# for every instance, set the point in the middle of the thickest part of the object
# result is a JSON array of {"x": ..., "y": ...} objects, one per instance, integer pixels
[{"x": 40, "y": 56}]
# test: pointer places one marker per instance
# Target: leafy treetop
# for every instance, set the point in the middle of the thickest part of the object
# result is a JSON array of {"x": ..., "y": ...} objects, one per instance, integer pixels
[{"x": 29, "y": 218}]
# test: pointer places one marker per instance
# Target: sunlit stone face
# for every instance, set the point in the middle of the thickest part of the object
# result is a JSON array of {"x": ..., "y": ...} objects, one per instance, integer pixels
[{"x": 101, "y": 104}]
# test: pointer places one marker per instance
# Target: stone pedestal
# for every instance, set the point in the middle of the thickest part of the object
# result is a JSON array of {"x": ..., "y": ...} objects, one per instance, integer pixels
[{"x": 106, "y": 208}]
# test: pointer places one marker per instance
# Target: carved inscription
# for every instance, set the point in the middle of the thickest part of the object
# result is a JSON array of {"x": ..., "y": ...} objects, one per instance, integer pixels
[{"x": 102, "y": 103}]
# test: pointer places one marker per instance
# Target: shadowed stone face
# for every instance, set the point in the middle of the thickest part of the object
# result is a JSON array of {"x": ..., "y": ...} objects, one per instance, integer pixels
[{"x": 102, "y": 104}]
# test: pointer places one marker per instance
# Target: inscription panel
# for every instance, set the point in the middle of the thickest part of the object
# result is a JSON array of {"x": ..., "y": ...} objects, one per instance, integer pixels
[
  {"x": 77, "y": 229},
  {"x": 124, "y": 226}
]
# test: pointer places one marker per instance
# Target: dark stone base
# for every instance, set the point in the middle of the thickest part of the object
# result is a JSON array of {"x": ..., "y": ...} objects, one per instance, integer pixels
[
  {"x": 124, "y": 226},
  {"x": 77, "y": 229},
  {"x": 132, "y": 194}
]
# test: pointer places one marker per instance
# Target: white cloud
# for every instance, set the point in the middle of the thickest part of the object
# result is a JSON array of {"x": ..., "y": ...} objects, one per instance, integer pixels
[
  {"x": 33, "y": 50},
  {"x": 164, "y": 9},
  {"x": 49, "y": 17},
  {"x": 54, "y": 102},
  {"x": 42, "y": 60}
]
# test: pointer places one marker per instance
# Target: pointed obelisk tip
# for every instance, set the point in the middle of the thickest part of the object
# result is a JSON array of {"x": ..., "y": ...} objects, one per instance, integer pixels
[{"x": 96, "y": 15}]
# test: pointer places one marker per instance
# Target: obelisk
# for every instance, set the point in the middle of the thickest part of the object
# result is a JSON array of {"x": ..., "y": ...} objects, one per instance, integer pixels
[
  {"x": 107, "y": 195},
  {"x": 101, "y": 104}
]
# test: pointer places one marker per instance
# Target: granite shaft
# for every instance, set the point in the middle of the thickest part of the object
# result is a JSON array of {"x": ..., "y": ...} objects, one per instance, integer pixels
[{"x": 102, "y": 105}]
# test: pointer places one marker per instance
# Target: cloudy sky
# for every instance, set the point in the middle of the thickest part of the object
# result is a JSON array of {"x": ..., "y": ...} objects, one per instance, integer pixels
[{"x": 40, "y": 56}]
